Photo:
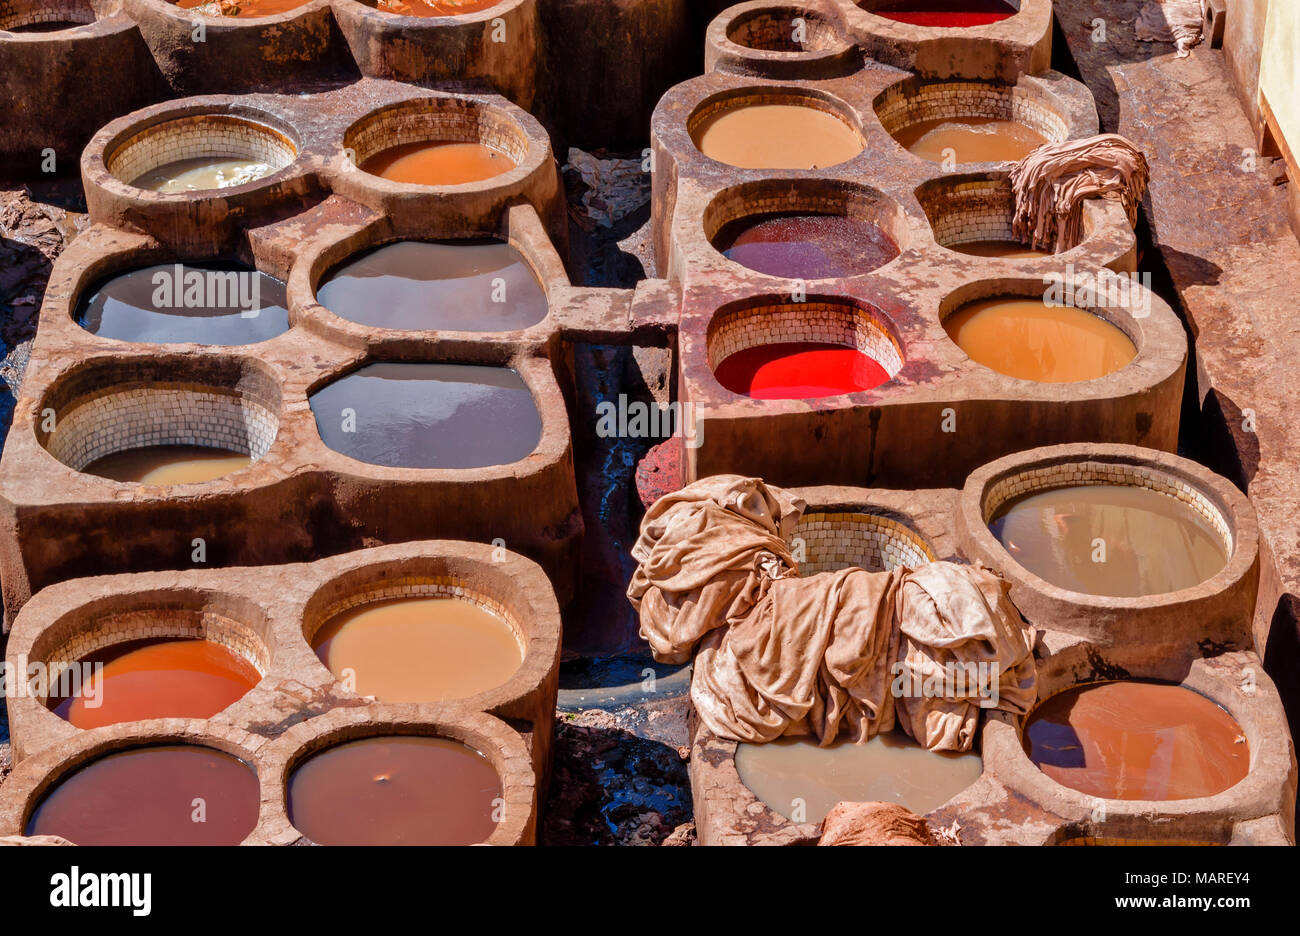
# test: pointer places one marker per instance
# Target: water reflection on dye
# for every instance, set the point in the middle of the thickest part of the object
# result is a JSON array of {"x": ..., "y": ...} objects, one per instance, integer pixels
[
  {"x": 429, "y": 415},
  {"x": 153, "y": 304},
  {"x": 460, "y": 285}
]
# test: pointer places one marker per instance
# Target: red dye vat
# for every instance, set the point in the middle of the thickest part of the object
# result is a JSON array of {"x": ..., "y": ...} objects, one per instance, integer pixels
[
  {"x": 799, "y": 371},
  {"x": 947, "y": 13}
]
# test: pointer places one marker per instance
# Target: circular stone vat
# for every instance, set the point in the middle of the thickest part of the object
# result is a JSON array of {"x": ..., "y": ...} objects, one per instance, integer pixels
[
  {"x": 805, "y": 229},
  {"x": 429, "y": 415},
  {"x": 145, "y": 796},
  {"x": 1109, "y": 529},
  {"x": 789, "y": 29},
  {"x": 403, "y": 789},
  {"x": 412, "y": 640},
  {"x": 778, "y": 350},
  {"x": 802, "y": 781},
  {"x": 1131, "y": 740},
  {"x": 968, "y": 121},
  {"x": 164, "y": 421},
  {"x": 943, "y": 14},
  {"x": 1026, "y": 338},
  {"x": 241, "y": 9},
  {"x": 436, "y": 141},
  {"x": 478, "y": 285},
  {"x": 164, "y": 657},
  {"x": 834, "y": 540},
  {"x": 775, "y": 128},
  {"x": 216, "y": 303},
  {"x": 972, "y": 214},
  {"x": 43, "y": 16},
  {"x": 432, "y": 8},
  {"x": 201, "y": 152}
]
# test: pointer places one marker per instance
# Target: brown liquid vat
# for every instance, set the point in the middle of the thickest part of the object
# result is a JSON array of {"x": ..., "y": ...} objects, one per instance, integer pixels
[
  {"x": 1216, "y": 612},
  {"x": 270, "y": 614},
  {"x": 484, "y": 119},
  {"x": 273, "y": 758},
  {"x": 1260, "y": 809},
  {"x": 1013, "y": 802},
  {"x": 103, "y": 409},
  {"x": 504, "y": 748},
  {"x": 914, "y": 101}
]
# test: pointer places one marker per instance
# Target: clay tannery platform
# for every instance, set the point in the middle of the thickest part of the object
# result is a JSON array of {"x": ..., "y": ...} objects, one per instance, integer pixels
[{"x": 372, "y": 367}]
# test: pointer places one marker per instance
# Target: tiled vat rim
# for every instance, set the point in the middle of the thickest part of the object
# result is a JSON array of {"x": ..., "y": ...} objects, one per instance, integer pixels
[
  {"x": 436, "y": 119},
  {"x": 980, "y": 209},
  {"x": 768, "y": 27},
  {"x": 979, "y": 206},
  {"x": 912, "y": 101},
  {"x": 748, "y": 95},
  {"x": 15, "y": 14},
  {"x": 838, "y": 322},
  {"x": 82, "y": 637},
  {"x": 268, "y": 614},
  {"x": 1064, "y": 474},
  {"x": 200, "y": 135},
  {"x": 274, "y": 759},
  {"x": 416, "y": 586},
  {"x": 149, "y": 416},
  {"x": 764, "y": 196},
  {"x": 841, "y": 539}
]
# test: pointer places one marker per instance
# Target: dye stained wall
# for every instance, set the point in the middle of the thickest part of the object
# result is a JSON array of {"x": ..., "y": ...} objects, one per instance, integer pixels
[{"x": 1243, "y": 42}]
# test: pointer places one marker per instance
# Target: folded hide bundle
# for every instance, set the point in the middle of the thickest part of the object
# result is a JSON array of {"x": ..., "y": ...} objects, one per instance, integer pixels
[
  {"x": 848, "y": 651},
  {"x": 1051, "y": 184}
]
